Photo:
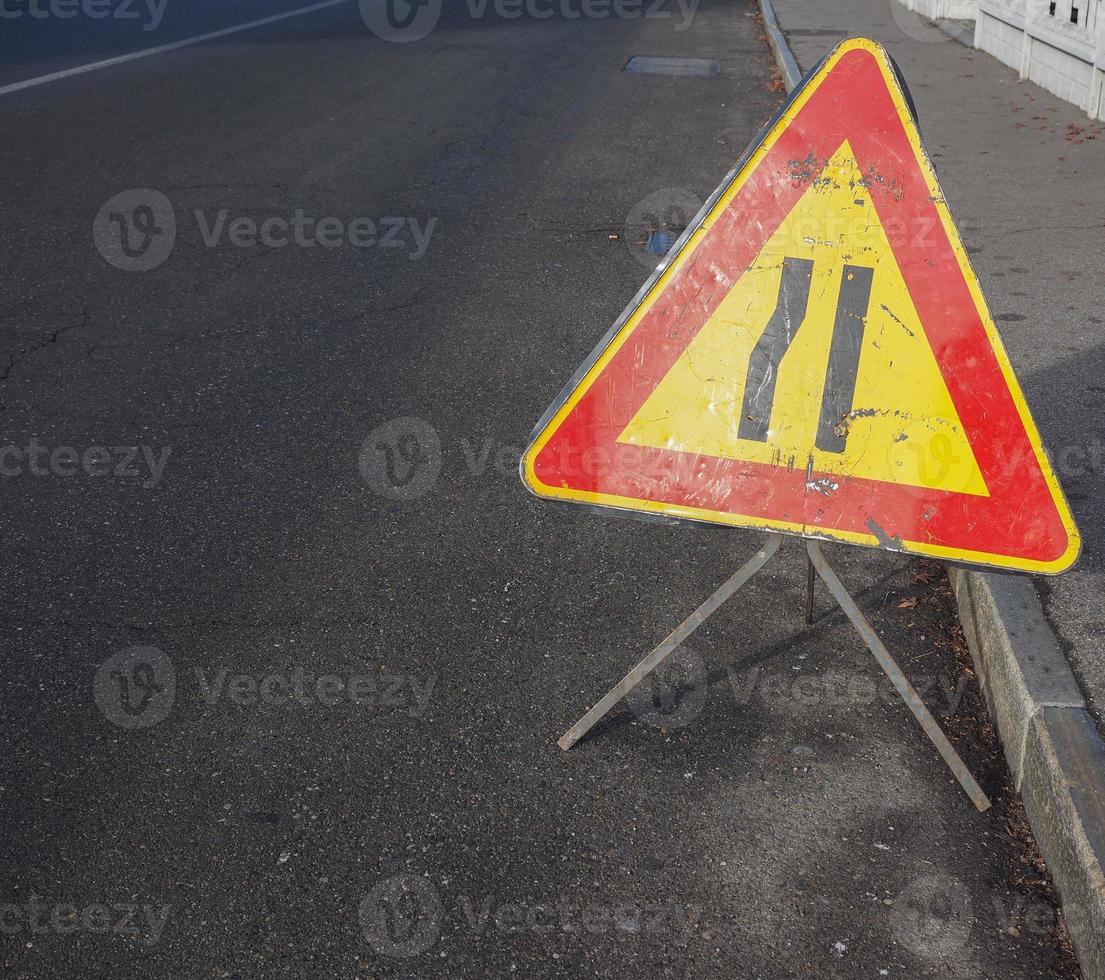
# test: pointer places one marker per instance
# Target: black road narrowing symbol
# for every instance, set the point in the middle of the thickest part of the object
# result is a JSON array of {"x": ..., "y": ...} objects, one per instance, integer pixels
[{"x": 779, "y": 334}]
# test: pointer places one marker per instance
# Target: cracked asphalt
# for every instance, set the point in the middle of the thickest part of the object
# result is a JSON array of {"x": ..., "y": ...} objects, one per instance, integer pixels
[{"x": 288, "y": 646}]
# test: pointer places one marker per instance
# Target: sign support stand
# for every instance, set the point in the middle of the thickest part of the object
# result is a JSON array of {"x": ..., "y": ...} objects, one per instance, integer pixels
[
  {"x": 809, "y": 590},
  {"x": 674, "y": 639},
  {"x": 818, "y": 563}
]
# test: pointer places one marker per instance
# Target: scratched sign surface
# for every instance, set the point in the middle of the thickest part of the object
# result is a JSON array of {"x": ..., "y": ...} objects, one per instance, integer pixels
[{"x": 816, "y": 357}]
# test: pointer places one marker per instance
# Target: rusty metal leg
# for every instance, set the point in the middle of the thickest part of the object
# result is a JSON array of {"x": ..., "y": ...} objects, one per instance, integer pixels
[
  {"x": 901, "y": 684},
  {"x": 809, "y": 591},
  {"x": 677, "y": 636}
]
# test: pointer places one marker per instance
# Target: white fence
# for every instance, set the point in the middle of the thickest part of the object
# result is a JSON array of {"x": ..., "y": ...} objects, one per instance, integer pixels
[{"x": 1058, "y": 44}]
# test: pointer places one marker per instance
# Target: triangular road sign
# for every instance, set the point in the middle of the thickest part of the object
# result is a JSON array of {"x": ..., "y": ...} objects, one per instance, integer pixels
[{"x": 815, "y": 357}]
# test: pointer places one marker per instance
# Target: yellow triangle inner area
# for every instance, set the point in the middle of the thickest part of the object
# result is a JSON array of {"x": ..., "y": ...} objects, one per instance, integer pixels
[{"x": 752, "y": 384}]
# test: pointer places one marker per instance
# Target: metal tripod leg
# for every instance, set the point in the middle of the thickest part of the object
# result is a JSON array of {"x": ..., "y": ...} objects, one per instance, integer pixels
[
  {"x": 809, "y": 591},
  {"x": 901, "y": 684},
  {"x": 677, "y": 636}
]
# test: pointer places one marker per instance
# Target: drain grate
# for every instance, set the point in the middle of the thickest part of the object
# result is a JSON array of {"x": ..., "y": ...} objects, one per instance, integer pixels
[{"x": 645, "y": 65}]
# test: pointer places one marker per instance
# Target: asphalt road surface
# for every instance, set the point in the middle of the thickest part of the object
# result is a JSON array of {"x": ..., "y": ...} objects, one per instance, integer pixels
[{"x": 286, "y": 644}]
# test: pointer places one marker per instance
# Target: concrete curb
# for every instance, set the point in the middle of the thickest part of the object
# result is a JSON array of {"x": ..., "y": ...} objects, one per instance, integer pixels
[
  {"x": 1051, "y": 742},
  {"x": 784, "y": 57}
]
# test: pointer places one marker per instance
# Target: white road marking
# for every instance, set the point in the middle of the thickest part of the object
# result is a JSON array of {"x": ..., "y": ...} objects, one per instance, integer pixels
[{"x": 161, "y": 49}]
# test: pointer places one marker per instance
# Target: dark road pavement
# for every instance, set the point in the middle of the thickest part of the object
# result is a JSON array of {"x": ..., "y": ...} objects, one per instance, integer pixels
[
  {"x": 41, "y": 37},
  {"x": 261, "y": 427}
]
